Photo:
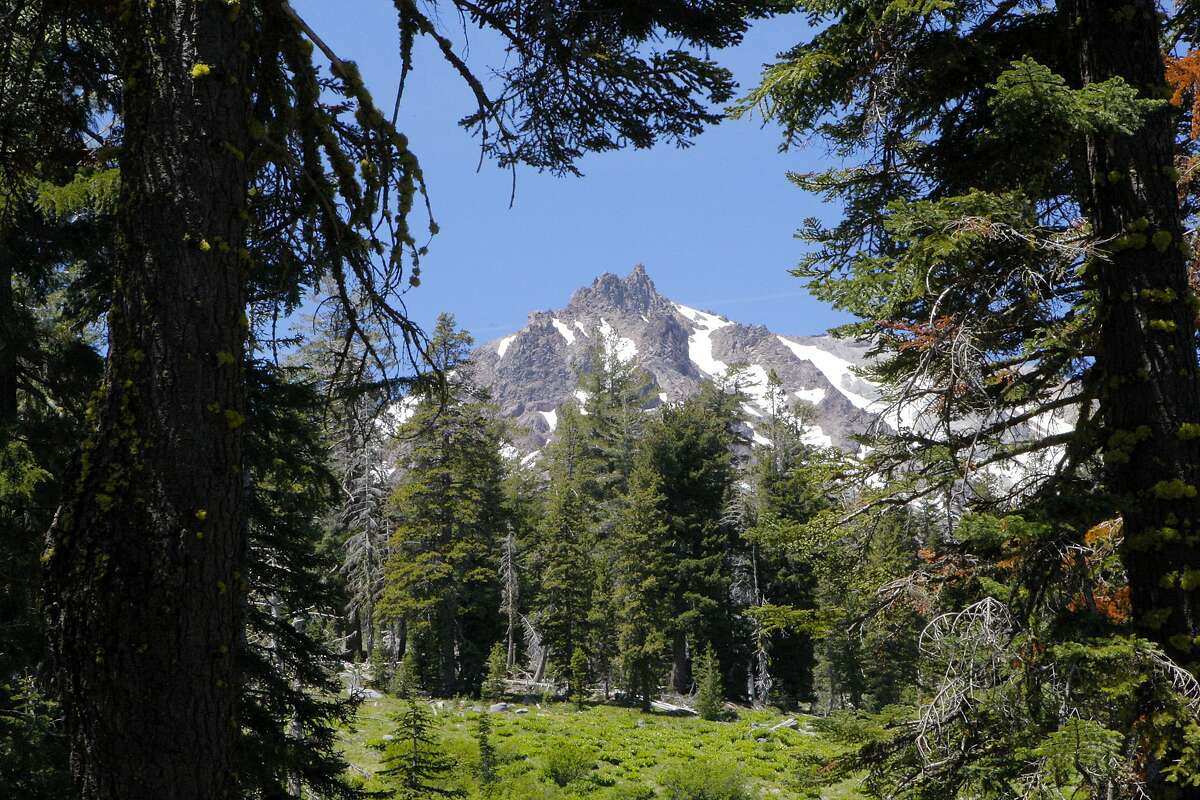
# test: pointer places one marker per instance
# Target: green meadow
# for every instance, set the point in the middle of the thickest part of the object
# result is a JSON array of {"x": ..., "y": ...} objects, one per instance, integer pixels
[{"x": 555, "y": 751}]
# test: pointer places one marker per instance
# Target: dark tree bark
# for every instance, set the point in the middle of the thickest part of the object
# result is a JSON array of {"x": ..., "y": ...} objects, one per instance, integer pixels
[
  {"x": 144, "y": 567},
  {"x": 8, "y": 347},
  {"x": 1146, "y": 352},
  {"x": 681, "y": 664}
]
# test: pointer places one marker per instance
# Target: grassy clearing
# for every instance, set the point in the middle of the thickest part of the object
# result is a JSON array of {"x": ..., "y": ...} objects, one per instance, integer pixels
[{"x": 555, "y": 752}]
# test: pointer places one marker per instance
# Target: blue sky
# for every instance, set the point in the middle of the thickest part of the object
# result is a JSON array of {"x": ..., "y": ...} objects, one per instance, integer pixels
[{"x": 713, "y": 223}]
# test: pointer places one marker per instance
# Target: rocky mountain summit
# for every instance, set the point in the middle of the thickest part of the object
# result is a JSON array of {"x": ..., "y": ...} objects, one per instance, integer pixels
[{"x": 534, "y": 371}]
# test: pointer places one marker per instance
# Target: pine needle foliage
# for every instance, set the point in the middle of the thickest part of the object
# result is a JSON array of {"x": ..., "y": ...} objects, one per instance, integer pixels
[
  {"x": 442, "y": 578},
  {"x": 414, "y": 764},
  {"x": 710, "y": 689},
  {"x": 644, "y": 590},
  {"x": 494, "y": 686},
  {"x": 487, "y": 751},
  {"x": 1011, "y": 245}
]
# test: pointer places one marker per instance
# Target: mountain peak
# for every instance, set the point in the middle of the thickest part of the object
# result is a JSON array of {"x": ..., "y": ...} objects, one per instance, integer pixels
[
  {"x": 635, "y": 293},
  {"x": 533, "y": 371}
]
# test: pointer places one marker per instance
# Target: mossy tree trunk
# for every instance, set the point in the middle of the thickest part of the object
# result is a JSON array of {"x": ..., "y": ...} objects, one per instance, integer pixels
[
  {"x": 145, "y": 557},
  {"x": 1146, "y": 354},
  {"x": 1146, "y": 351}
]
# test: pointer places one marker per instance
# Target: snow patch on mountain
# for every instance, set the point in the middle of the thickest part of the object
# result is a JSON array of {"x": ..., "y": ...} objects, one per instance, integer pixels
[
  {"x": 624, "y": 349},
  {"x": 814, "y": 436},
  {"x": 700, "y": 345},
  {"x": 814, "y": 396},
  {"x": 836, "y": 370},
  {"x": 502, "y": 347},
  {"x": 566, "y": 332}
]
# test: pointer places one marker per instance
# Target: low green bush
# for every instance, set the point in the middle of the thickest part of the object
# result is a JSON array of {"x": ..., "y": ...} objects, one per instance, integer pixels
[
  {"x": 712, "y": 781},
  {"x": 568, "y": 762}
]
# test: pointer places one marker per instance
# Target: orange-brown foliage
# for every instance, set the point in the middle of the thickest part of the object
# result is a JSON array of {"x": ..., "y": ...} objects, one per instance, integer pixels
[{"x": 1183, "y": 75}]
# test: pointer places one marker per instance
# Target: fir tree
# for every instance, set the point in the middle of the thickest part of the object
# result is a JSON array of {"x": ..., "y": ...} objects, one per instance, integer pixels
[
  {"x": 308, "y": 179},
  {"x": 784, "y": 495},
  {"x": 524, "y": 503},
  {"x": 645, "y": 569},
  {"x": 494, "y": 685},
  {"x": 442, "y": 580},
  {"x": 357, "y": 429},
  {"x": 1012, "y": 244},
  {"x": 581, "y": 676},
  {"x": 487, "y": 752},
  {"x": 382, "y": 673},
  {"x": 691, "y": 448},
  {"x": 563, "y": 550},
  {"x": 291, "y": 701},
  {"x": 710, "y": 689},
  {"x": 414, "y": 763},
  {"x": 617, "y": 392}
]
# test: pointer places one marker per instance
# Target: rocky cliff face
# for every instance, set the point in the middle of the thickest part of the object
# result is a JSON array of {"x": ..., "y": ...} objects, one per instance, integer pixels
[{"x": 533, "y": 371}]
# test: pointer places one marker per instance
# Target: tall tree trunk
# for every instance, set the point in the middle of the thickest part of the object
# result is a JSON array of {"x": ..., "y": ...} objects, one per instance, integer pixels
[
  {"x": 681, "y": 673},
  {"x": 144, "y": 572},
  {"x": 1146, "y": 354},
  {"x": 8, "y": 345}
]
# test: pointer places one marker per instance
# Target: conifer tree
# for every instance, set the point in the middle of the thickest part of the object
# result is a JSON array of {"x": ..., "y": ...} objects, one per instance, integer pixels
[
  {"x": 48, "y": 370},
  {"x": 690, "y": 446},
  {"x": 710, "y": 689},
  {"x": 524, "y": 503},
  {"x": 784, "y": 495},
  {"x": 291, "y": 702},
  {"x": 617, "y": 392},
  {"x": 581, "y": 676},
  {"x": 563, "y": 552},
  {"x": 358, "y": 429},
  {"x": 442, "y": 580},
  {"x": 497, "y": 673},
  {"x": 487, "y": 751},
  {"x": 415, "y": 765},
  {"x": 644, "y": 589},
  {"x": 1012, "y": 244}
]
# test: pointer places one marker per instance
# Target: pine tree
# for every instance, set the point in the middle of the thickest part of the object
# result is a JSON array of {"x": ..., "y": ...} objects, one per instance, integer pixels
[
  {"x": 644, "y": 591},
  {"x": 690, "y": 446},
  {"x": 710, "y": 689},
  {"x": 442, "y": 580},
  {"x": 487, "y": 752},
  {"x": 581, "y": 676},
  {"x": 414, "y": 764},
  {"x": 494, "y": 685},
  {"x": 562, "y": 553}
]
